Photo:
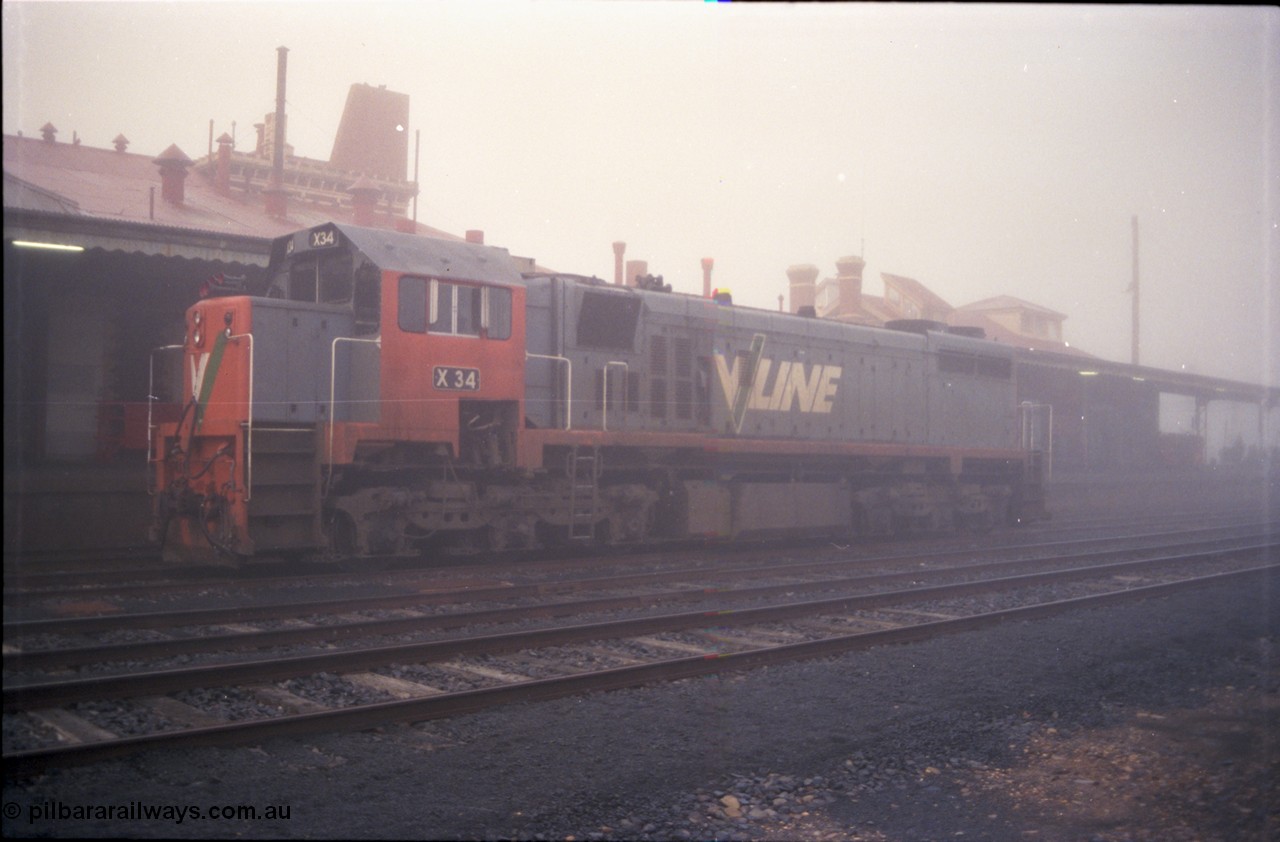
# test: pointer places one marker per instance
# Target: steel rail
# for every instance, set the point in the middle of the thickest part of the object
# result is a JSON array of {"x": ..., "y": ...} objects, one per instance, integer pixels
[
  {"x": 20, "y": 696},
  {"x": 47, "y": 659},
  {"x": 52, "y": 585},
  {"x": 32, "y": 761},
  {"x": 275, "y": 611}
]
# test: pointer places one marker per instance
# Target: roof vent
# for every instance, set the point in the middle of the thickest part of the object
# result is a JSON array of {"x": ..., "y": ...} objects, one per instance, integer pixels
[
  {"x": 222, "y": 169},
  {"x": 173, "y": 163},
  {"x": 121, "y": 143},
  {"x": 48, "y": 132}
]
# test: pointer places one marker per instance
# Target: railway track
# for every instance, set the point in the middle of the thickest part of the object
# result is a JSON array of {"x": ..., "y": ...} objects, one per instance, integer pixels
[
  {"x": 416, "y": 606},
  {"x": 327, "y": 621},
  {"x": 719, "y": 628},
  {"x": 20, "y": 594},
  {"x": 112, "y": 573}
]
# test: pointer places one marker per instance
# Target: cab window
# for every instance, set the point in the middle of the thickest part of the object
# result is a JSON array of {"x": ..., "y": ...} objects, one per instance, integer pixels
[
  {"x": 499, "y": 313},
  {"x": 326, "y": 279},
  {"x": 454, "y": 309},
  {"x": 412, "y": 303}
]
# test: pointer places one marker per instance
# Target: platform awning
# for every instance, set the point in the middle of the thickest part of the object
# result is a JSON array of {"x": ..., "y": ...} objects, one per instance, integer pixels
[{"x": 133, "y": 237}]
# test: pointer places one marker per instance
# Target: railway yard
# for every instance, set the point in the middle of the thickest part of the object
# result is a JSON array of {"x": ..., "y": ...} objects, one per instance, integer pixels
[{"x": 1109, "y": 674}]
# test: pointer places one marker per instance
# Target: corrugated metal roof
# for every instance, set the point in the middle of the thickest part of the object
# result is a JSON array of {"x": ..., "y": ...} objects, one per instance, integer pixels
[
  {"x": 1009, "y": 302},
  {"x": 917, "y": 290},
  {"x": 122, "y": 187},
  {"x": 999, "y": 333},
  {"x": 22, "y": 194},
  {"x": 153, "y": 240}
]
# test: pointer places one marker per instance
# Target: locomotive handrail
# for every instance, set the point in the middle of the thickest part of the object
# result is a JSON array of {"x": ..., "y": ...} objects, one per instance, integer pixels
[
  {"x": 333, "y": 398},
  {"x": 604, "y": 420},
  {"x": 248, "y": 445},
  {"x": 151, "y": 399},
  {"x": 1025, "y": 412},
  {"x": 568, "y": 392}
]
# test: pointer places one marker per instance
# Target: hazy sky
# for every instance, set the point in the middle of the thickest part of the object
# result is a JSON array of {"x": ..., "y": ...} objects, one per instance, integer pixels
[{"x": 982, "y": 150}]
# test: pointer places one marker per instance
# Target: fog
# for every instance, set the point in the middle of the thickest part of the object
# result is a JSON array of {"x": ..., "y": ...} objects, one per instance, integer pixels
[{"x": 982, "y": 150}]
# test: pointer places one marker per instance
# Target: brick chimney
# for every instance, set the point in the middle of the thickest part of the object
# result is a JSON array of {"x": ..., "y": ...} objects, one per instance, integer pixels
[
  {"x": 803, "y": 279},
  {"x": 636, "y": 268},
  {"x": 364, "y": 199},
  {"x": 173, "y": 163},
  {"x": 475, "y": 236},
  {"x": 275, "y": 197},
  {"x": 222, "y": 169},
  {"x": 619, "y": 249},
  {"x": 849, "y": 283},
  {"x": 707, "y": 263}
]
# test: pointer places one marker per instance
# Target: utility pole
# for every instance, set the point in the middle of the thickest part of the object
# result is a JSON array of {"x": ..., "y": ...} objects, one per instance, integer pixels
[{"x": 1134, "y": 289}]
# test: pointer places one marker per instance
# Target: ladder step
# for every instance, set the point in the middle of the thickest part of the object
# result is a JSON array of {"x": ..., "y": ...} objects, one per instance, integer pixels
[
  {"x": 284, "y": 507},
  {"x": 582, "y": 497}
]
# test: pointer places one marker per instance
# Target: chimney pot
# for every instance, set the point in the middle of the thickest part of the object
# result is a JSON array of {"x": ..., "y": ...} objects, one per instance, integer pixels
[
  {"x": 222, "y": 170},
  {"x": 364, "y": 199},
  {"x": 619, "y": 249},
  {"x": 803, "y": 278},
  {"x": 173, "y": 163},
  {"x": 707, "y": 263},
  {"x": 849, "y": 281},
  {"x": 475, "y": 236}
]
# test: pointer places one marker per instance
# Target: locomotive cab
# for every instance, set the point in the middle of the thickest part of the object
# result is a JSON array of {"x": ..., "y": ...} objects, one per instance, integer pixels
[{"x": 369, "y": 351}]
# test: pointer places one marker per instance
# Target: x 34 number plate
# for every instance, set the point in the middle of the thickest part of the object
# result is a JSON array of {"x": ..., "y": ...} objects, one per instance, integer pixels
[{"x": 456, "y": 379}]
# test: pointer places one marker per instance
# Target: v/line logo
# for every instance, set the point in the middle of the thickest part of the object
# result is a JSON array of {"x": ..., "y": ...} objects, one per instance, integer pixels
[
  {"x": 810, "y": 389},
  {"x": 197, "y": 373},
  {"x": 204, "y": 371}
]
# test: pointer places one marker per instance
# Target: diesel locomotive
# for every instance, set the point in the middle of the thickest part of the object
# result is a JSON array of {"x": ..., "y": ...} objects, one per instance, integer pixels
[{"x": 391, "y": 395}]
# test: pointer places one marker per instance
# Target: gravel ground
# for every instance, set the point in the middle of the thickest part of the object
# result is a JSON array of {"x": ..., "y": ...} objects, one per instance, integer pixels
[{"x": 1153, "y": 721}]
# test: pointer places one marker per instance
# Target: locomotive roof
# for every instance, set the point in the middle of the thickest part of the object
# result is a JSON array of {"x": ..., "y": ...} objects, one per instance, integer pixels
[
  {"x": 412, "y": 253},
  {"x": 707, "y": 313}
]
